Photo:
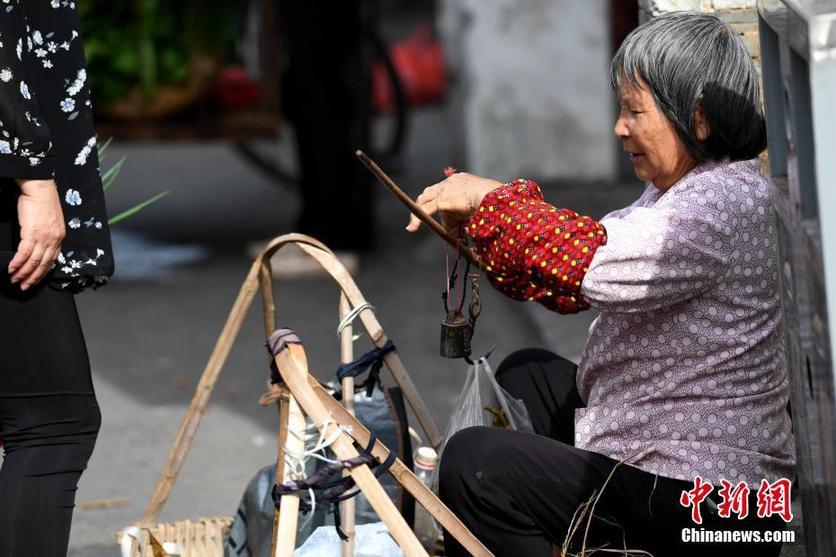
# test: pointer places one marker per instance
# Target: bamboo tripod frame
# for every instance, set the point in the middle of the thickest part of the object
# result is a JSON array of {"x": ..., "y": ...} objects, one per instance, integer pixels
[{"x": 303, "y": 393}]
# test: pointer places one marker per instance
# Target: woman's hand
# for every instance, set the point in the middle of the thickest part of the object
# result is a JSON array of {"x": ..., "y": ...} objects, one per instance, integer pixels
[
  {"x": 456, "y": 199},
  {"x": 41, "y": 231}
]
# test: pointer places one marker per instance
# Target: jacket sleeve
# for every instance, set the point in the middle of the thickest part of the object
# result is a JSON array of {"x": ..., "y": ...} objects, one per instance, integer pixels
[
  {"x": 25, "y": 142},
  {"x": 534, "y": 251},
  {"x": 655, "y": 258}
]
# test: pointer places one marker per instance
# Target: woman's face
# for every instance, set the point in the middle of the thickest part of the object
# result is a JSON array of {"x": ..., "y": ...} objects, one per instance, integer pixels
[{"x": 650, "y": 139}]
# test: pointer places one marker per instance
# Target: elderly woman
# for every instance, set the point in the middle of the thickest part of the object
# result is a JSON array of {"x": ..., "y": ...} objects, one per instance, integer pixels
[{"x": 683, "y": 375}]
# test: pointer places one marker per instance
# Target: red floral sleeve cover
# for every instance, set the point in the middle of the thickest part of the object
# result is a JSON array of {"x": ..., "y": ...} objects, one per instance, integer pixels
[{"x": 533, "y": 250}]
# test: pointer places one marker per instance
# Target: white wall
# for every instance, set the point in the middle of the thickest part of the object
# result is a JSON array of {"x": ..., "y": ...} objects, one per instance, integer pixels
[
  {"x": 534, "y": 98},
  {"x": 656, "y": 7},
  {"x": 741, "y": 14}
]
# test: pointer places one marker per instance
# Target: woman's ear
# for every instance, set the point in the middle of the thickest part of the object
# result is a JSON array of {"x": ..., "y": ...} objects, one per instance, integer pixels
[{"x": 701, "y": 127}]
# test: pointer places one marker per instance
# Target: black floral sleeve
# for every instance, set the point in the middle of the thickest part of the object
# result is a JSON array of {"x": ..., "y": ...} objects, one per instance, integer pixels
[
  {"x": 51, "y": 134},
  {"x": 25, "y": 141}
]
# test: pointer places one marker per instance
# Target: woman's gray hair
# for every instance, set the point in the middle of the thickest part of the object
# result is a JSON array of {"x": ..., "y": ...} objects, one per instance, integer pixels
[{"x": 691, "y": 60}]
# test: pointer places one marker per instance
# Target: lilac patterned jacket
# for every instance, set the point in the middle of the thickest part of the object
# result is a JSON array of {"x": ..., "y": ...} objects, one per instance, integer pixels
[{"x": 684, "y": 371}]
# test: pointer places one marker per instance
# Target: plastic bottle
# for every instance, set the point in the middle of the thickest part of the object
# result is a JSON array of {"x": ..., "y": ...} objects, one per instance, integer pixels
[{"x": 425, "y": 527}]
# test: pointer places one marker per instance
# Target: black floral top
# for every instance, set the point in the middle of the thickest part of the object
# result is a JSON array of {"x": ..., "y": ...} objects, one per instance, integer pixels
[{"x": 46, "y": 131}]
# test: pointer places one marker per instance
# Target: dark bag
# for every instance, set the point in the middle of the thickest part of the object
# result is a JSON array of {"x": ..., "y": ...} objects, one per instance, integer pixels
[{"x": 384, "y": 414}]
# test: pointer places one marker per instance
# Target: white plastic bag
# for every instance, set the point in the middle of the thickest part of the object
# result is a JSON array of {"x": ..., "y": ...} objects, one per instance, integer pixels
[
  {"x": 370, "y": 540},
  {"x": 482, "y": 402}
]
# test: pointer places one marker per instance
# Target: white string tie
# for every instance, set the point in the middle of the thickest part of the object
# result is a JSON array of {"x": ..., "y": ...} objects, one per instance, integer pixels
[{"x": 351, "y": 316}]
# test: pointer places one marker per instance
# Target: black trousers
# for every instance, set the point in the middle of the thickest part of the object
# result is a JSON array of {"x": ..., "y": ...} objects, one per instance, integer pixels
[
  {"x": 518, "y": 492},
  {"x": 49, "y": 417},
  {"x": 326, "y": 94}
]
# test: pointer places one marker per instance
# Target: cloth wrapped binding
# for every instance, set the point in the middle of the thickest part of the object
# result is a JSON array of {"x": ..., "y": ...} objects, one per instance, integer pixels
[
  {"x": 277, "y": 342},
  {"x": 372, "y": 360},
  {"x": 332, "y": 492}
]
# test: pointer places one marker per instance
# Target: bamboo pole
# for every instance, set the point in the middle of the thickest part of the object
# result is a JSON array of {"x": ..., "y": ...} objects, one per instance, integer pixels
[
  {"x": 392, "y": 360},
  {"x": 185, "y": 435},
  {"x": 403, "y": 475},
  {"x": 293, "y": 365},
  {"x": 291, "y": 435},
  {"x": 416, "y": 210},
  {"x": 268, "y": 304},
  {"x": 285, "y": 544},
  {"x": 348, "y": 507},
  {"x": 283, "y": 403}
]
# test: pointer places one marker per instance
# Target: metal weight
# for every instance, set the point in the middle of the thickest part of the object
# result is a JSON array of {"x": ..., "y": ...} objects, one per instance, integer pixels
[{"x": 456, "y": 334}]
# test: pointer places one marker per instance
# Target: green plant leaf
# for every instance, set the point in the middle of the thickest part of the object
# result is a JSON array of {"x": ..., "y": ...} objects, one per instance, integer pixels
[
  {"x": 112, "y": 173},
  {"x": 134, "y": 210},
  {"x": 140, "y": 45},
  {"x": 103, "y": 147}
]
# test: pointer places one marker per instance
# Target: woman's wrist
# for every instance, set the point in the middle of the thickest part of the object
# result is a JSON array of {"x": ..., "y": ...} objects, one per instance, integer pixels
[
  {"x": 34, "y": 187},
  {"x": 487, "y": 187}
]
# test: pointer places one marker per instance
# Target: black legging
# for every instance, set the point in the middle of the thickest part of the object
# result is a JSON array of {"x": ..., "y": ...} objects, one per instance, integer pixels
[
  {"x": 49, "y": 417},
  {"x": 517, "y": 492}
]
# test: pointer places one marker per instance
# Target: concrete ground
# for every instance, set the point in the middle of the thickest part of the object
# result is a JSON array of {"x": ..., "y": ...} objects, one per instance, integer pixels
[{"x": 180, "y": 265}]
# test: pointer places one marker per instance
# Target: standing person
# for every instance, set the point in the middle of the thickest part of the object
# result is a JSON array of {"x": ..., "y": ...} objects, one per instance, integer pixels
[
  {"x": 54, "y": 242},
  {"x": 327, "y": 98}
]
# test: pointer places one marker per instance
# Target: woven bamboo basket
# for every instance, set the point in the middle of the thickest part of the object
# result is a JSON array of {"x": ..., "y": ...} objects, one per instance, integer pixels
[{"x": 201, "y": 538}]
